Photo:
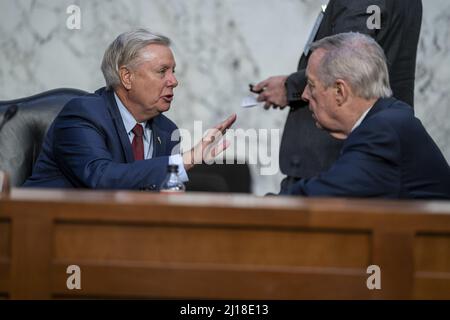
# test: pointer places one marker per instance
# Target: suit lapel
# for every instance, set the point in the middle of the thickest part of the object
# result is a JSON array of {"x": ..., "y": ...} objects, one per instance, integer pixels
[
  {"x": 118, "y": 123},
  {"x": 159, "y": 140},
  {"x": 326, "y": 26},
  {"x": 324, "y": 30}
]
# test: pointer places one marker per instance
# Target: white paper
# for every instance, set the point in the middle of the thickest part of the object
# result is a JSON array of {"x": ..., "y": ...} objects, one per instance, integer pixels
[{"x": 249, "y": 102}]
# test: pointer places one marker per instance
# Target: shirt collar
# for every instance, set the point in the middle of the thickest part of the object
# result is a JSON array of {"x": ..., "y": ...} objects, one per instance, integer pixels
[
  {"x": 128, "y": 120},
  {"x": 357, "y": 124}
]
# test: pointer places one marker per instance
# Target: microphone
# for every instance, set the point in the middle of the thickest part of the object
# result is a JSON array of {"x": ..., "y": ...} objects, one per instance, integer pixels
[{"x": 9, "y": 114}]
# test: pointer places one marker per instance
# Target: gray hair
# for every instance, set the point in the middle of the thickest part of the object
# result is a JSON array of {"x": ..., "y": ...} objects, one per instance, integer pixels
[
  {"x": 358, "y": 59},
  {"x": 124, "y": 51}
]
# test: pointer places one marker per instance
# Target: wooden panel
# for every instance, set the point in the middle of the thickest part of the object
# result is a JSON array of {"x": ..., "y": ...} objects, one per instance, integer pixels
[
  {"x": 219, "y": 282},
  {"x": 31, "y": 257},
  {"x": 5, "y": 239},
  {"x": 432, "y": 285},
  {"x": 393, "y": 253},
  {"x": 85, "y": 242},
  {"x": 4, "y": 276},
  {"x": 229, "y": 209},
  {"x": 131, "y": 244},
  {"x": 432, "y": 266},
  {"x": 5, "y": 254},
  {"x": 432, "y": 253}
]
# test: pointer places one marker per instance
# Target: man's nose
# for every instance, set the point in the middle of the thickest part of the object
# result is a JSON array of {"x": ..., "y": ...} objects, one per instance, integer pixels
[{"x": 172, "y": 81}]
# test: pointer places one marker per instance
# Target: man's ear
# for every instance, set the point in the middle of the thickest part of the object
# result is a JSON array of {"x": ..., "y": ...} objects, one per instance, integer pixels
[
  {"x": 125, "y": 77},
  {"x": 342, "y": 92}
]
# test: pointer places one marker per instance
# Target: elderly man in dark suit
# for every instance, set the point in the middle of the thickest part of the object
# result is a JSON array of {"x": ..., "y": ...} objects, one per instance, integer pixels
[
  {"x": 118, "y": 138},
  {"x": 386, "y": 151},
  {"x": 306, "y": 151}
]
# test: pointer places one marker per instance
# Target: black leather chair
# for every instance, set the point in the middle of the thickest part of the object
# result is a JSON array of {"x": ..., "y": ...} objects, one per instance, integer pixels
[{"x": 21, "y": 139}]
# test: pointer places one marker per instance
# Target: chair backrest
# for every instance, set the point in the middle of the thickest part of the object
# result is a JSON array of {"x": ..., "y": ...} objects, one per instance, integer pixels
[{"x": 21, "y": 137}]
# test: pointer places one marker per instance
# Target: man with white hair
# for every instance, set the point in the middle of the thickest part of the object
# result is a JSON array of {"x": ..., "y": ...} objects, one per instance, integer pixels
[
  {"x": 394, "y": 24},
  {"x": 117, "y": 138},
  {"x": 387, "y": 152}
]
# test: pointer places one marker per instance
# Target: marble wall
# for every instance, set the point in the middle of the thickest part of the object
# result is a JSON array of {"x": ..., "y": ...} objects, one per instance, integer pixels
[{"x": 220, "y": 47}]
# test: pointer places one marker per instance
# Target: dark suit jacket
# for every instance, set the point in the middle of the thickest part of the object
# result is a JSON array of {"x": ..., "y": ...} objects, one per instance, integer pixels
[
  {"x": 87, "y": 147},
  {"x": 389, "y": 155},
  {"x": 305, "y": 150}
]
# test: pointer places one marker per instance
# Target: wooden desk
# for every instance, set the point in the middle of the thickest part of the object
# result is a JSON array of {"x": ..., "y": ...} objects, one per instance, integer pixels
[{"x": 220, "y": 246}]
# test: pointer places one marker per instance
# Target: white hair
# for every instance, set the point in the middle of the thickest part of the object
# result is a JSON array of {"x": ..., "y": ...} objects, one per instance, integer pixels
[
  {"x": 358, "y": 59},
  {"x": 125, "y": 51}
]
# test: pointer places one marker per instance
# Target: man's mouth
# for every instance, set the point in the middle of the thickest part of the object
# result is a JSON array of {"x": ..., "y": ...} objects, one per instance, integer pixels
[{"x": 168, "y": 97}]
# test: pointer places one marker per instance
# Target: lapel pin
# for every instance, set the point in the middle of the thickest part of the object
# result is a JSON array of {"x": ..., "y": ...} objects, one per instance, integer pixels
[{"x": 159, "y": 139}]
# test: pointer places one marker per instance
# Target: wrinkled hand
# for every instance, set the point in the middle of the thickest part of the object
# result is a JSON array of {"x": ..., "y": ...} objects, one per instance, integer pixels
[
  {"x": 210, "y": 146},
  {"x": 274, "y": 92}
]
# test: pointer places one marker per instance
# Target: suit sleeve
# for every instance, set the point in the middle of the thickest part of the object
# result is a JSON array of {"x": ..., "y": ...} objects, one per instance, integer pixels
[
  {"x": 348, "y": 15},
  {"x": 352, "y": 16},
  {"x": 369, "y": 166},
  {"x": 82, "y": 154},
  {"x": 295, "y": 85}
]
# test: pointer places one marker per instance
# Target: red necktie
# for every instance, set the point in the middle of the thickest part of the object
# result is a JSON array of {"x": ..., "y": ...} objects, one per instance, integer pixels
[{"x": 138, "y": 142}]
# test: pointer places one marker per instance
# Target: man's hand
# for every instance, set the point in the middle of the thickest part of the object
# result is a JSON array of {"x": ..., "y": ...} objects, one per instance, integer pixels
[
  {"x": 210, "y": 146},
  {"x": 273, "y": 92}
]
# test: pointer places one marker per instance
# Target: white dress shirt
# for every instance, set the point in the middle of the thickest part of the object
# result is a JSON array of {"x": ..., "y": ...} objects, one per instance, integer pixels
[{"x": 129, "y": 122}]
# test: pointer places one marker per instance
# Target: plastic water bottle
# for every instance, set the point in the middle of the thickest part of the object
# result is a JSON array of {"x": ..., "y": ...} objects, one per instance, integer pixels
[{"x": 172, "y": 182}]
